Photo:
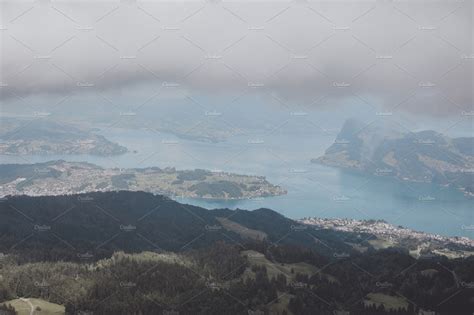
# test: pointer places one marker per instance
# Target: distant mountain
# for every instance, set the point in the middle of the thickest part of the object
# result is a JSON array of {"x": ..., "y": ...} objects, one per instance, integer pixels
[
  {"x": 425, "y": 156},
  {"x": 45, "y": 137}
]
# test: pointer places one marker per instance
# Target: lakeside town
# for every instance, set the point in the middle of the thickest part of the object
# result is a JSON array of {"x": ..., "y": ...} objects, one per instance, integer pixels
[
  {"x": 387, "y": 235},
  {"x": 65, "y": 178}
]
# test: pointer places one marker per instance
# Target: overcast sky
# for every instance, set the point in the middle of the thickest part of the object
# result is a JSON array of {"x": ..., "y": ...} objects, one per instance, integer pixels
[{"x": 414, "y": 56}]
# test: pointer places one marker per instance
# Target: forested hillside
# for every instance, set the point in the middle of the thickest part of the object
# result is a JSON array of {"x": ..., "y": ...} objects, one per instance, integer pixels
[{"x": 138, "y": 253}]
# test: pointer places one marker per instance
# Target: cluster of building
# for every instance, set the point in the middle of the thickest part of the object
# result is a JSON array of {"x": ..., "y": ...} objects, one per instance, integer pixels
[{"x": 384, "y": 230}]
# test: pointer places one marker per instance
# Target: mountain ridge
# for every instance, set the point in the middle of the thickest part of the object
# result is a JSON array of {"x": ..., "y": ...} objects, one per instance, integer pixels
[
  {"x": 423, "y": 156},
  {"x": 45, "y": 137}
]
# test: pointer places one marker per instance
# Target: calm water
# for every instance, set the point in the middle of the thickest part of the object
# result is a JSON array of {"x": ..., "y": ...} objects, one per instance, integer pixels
[{"x": 313, "y": 190}]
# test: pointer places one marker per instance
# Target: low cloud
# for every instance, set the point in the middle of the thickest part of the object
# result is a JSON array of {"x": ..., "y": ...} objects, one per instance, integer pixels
[{"x": 415, "y": 56}]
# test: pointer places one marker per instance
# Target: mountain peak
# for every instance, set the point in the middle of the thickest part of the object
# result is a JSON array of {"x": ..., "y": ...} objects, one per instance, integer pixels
[{"x": 385, "y": 148}]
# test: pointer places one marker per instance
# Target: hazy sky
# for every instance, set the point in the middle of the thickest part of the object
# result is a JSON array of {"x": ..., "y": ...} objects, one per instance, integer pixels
[{"x": 414, "y": 56}]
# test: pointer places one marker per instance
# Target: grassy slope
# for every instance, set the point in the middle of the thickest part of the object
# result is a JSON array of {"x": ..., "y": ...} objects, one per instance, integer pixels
[{"x": 23, "y": 308}]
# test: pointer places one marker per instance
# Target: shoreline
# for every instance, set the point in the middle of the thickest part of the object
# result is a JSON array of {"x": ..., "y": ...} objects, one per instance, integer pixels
[{"x": 385, "y": 230}]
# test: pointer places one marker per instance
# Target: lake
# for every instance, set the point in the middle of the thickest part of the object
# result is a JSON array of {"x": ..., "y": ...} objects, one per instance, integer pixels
[{"x": 284, "y": 158}]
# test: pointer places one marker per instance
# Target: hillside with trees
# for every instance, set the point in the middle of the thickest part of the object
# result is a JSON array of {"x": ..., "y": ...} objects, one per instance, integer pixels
[{"x": 138, "y": 253}]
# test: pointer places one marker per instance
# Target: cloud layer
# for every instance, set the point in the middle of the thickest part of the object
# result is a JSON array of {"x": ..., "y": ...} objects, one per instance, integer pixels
[{"x": 404, "y": 55}]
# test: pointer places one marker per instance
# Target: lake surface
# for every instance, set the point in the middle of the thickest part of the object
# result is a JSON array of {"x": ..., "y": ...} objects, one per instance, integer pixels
[{"x": 284, "y": 158}]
